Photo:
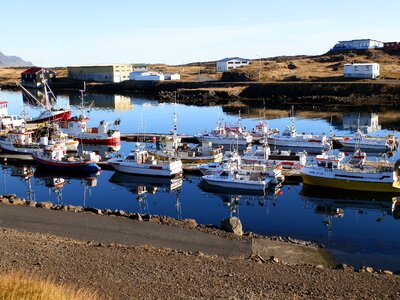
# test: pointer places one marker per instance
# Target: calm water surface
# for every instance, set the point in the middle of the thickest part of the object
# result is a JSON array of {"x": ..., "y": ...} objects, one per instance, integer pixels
[{"x": 358, "y": 228}]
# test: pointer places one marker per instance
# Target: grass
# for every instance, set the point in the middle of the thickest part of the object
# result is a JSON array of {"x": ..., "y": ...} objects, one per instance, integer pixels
[{"x": 15, "y": 286}]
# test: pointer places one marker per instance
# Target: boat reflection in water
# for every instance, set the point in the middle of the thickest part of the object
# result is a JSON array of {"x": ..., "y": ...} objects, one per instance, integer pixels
[
  {"x": 332, "y": 203},
  {"x": 232, "y": 199},
  {"x": 56, "y": 181},
  {"x": 141, "y": 186},
  {"x": 24, "y": 173},
  {"x": 105, "y": 151}
]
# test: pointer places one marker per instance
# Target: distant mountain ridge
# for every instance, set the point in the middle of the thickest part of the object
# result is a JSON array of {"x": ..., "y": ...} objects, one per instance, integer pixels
[{"x": 13, "y": 61}]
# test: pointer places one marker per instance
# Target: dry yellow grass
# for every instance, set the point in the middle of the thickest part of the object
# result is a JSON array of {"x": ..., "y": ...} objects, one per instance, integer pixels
[
  {"x": 15, "y": 286},
  {"x": 272, "y": 69}
]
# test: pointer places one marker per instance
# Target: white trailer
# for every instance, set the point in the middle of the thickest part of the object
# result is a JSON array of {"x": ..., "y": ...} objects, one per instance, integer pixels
[{"x": 364, "y": 70}]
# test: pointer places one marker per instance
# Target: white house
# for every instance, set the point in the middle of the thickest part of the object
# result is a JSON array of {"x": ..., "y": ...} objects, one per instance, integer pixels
[
  {"x": 172, "y": 76},
  {"x": 365, "y": 70},
  {"x": 357, "y": 45},
  {"x": 231, "y": 63},
  {"x": 150, "y": 76}
]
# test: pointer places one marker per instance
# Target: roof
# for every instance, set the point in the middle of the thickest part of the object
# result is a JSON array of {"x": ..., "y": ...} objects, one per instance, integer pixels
[
  {"x": 361, "y": 64},
  {"x": 98, "y": 65},
  {"x": 233, "y": 58},
  {"x": 357, "y": 40},
  {"x": 32, "y": 70}
]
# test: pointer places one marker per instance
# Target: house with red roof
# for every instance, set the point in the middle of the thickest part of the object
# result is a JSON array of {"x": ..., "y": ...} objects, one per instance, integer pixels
[{"x": 33, "y": 77}]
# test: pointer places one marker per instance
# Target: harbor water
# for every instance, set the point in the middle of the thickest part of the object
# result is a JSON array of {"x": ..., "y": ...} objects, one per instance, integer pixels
[{"x": 358, "y": 228}]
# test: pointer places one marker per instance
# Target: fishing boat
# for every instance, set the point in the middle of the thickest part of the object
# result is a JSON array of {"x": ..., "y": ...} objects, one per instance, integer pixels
[
  {"x": 226, "y": 134},
  {"x": 232, "y": 179},
  {"x": 261, "y": 130},
  {"x": 291, "y": 139},
  {"x": 262, "y": 154},
  {"x": 335, "y": 170},
  {"x": 106, "y": 133},
  {"x": 141, "y": 163},
  {"x": 191, "y": 156},
  {"x": 55, "y": 158},
  {"x": 230, "y": 157},
  {"x": 367, "y": 143},
  {"x": 22, "y": 141},
  {"x": 233, "y": 161},
  {"x": 50, "y": 112}
]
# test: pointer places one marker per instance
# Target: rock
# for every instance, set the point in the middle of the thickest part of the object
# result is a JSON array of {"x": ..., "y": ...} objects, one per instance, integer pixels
[
  {"x": 17, "y": 201},
  {"x": 136, "y": 216},
  {"x": 46, "y": 205},
  {"x": 387, "y": 272},
  {"x": 274, "y": 259},
  {"x": 107, "y": 212},
  {"x": 146, "y": 217},
  {"x": 120, "y": 213},
  {"x": 345, "y": 267},
  {"x": 190, "y": 223},
  {"x": 5, "y": 200},
  {"x": 33, "y": 203},
  {"x": 369, "y": 270},
  {"x": 232, "y": 224},
  {"x": 319, "y": 267},
  {"x": 10, "y": 196},
  {"x": 154, "y": 219},
  {"x": 291, "y": 66},
  {"x": 93, "y": 210}
]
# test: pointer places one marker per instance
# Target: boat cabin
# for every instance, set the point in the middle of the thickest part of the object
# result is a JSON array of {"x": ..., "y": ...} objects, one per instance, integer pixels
[
  {"x": 140, "y": 156},
  {"x": 54, "y": 153}
]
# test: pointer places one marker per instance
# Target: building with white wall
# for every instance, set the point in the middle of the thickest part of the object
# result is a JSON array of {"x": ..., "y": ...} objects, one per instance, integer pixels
[
  {"x": 149, "y": 76},
  {"x": 365, "y": 70},
  {"x": 153, "y": 76},
  {"x": 361, "y": 44},
  {"x": 101, "y": 73},
  {"x": 172, "y": 76},
  {"x": 231, "y": 63}
]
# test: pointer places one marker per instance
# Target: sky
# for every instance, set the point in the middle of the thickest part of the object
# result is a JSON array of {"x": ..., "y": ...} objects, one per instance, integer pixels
[{"x": 75, "y": 32}]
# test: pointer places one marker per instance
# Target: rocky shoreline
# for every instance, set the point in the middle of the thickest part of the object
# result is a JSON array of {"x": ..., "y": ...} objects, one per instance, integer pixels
[{"x": 252, "y": 94}]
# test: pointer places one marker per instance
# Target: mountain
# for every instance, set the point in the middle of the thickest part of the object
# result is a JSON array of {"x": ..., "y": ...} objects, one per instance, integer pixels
[{"x": 13, "y": 61}]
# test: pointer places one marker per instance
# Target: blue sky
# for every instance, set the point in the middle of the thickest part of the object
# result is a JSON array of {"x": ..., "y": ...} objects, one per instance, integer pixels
[{"x": 73, "y": 32}]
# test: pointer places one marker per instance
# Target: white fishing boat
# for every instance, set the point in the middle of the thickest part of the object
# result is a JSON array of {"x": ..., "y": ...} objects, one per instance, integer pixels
[
  {"x": 367, "y": 143},
  {"x": 334, "y": 170},
  {"x": 141, "y": 163},
  {"x": 262, "y": 154},
  {"x": 230, "y": 157},
  {"x": 171, "y": 146},
  {"x": 289, "y": 138},
  {"x": 106, "y": 133},
  {"x": 261, "y": 130},
  {"x": 226, "y": 134},
  {"x": 23, "y": 141},
  {"x": 233, "y": 179}
]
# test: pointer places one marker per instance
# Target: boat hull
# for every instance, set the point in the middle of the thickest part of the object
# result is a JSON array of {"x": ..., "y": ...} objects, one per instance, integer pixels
[
  {"x": 145, "y": 170},
  {"x": 348, "y": 184},
  {"x": 52, "y": 116},
  {"x": 234, "y": 184},
  {"x": 112, "y": 141},
  {"x": 86, "y": 166}
]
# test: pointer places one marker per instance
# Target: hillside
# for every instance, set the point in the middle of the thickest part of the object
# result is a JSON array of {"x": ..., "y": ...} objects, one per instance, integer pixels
[
  {"x": 13, "y": 61},
  {"x": 326, "y": 67}
]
